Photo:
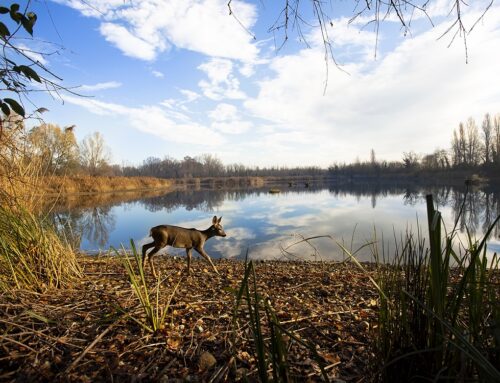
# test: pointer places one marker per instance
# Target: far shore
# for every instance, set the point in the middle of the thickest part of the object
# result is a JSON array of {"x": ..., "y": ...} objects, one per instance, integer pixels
[{"x": 75, "y": 186}]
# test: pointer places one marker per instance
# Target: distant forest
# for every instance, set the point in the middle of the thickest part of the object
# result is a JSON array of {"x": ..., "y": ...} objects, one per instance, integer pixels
[{"x": 474, "y": 149}]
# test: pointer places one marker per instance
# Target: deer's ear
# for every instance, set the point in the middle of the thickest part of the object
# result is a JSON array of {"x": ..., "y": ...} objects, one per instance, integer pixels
[
  {"x": 214, "y": 220},
  {"x": 220, "y": 219}
]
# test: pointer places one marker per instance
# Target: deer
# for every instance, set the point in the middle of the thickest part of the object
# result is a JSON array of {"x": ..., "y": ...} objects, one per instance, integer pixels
[{"x": 180, "y": 237}]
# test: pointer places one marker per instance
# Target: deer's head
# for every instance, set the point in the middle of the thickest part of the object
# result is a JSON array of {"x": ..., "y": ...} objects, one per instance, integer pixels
[{"x": 217, "y": 227}]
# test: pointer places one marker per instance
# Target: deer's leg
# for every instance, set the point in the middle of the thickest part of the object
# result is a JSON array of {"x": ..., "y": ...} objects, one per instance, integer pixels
[
  {"x": 144, "y": 249},
  {"x": 206, "y": 256},
  {"x": 156, "y": 249},
  {"x": 189, "y": 255}
]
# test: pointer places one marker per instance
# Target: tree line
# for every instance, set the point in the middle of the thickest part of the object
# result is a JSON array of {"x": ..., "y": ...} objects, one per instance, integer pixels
[
  {"x": 473, "y": 148},
  {"x": 208, "y": 165}
]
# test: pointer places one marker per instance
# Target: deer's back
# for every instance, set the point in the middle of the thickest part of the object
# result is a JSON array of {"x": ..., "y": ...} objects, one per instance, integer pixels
[{"x": 176, "y": 236}]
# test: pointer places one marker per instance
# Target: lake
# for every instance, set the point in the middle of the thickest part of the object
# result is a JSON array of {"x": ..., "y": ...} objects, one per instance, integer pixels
[{"x": 269, "y": 226}]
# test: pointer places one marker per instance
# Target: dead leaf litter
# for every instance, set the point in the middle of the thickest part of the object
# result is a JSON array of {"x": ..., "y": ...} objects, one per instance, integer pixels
[{"x": 90, "y": 332}]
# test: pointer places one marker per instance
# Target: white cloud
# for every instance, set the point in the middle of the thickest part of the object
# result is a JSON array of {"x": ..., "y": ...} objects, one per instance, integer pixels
[
  {"x": 180, "y": 104},
  {"x": 157, "y": 74},
  {"x": 411, "y": 99},
  {"x": 143, "y": 29},
  {"x": 154, "y": 120},
  {"x": 223, "y": 112},
  {"x": 233, "y": 127},
  {"x": 128, "y": 43},
  {"x": 93, "y": 8},
  {"x": 226, "y": 120},
  {"x": 221, "y": 82},
  {"x": 190, "y": 95},
  {"x": 100, "y": 86}
]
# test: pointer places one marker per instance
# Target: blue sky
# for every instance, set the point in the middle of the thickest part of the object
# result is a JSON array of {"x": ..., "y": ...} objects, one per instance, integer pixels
[{"x": 176, "y": 78}]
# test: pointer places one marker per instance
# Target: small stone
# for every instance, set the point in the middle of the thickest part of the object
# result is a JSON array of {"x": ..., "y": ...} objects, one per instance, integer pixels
[
  {"x": 206, "y": 362},
  {"x": 364, "y": 325}
]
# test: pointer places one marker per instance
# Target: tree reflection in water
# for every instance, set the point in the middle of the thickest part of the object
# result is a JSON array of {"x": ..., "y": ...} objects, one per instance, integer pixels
[{"x": 94, "y": 224}]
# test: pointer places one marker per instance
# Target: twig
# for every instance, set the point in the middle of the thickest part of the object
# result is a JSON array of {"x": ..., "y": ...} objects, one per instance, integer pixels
[
  {"x": 3, "y": 337},
  {"x": 317, "y": 316},
  {"x": 330, "y": 366},
  {"x": 90, "y": 346}
]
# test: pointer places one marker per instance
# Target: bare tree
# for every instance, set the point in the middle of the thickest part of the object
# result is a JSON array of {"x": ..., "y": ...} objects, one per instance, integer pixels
[
  {"x": 410, "y": 160},
  {"x": 94, "y": 155},
  {"x": 474, "y": 146},
  {"x": 212, "y": 165},
  {"x": 496, "y": 140},
  {"x": 487, "y": 130},
  {"x": 373, "y": 159}
]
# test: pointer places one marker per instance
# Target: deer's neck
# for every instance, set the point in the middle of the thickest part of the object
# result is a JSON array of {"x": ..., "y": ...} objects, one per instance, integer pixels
[{"x": 208, "y": 233}]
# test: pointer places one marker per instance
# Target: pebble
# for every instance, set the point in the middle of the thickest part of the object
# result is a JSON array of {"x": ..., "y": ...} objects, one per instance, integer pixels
[{"x": 207, "y": 361}]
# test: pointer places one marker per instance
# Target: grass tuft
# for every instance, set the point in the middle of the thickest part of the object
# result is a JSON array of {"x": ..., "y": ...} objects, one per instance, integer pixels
[
  {"x": 32, "y": 255},
  {"x": 154, "y": 311}
]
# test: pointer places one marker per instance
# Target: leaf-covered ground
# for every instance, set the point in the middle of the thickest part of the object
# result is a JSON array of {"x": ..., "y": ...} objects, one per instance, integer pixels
[{"x": 90, "y": 333}]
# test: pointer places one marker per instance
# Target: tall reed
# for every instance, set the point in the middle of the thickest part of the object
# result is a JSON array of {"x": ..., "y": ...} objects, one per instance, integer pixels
[{"x": 439, "y": 316}]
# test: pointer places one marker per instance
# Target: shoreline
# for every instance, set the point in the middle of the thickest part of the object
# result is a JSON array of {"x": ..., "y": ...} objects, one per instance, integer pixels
[{"x": 74, "y": 186}]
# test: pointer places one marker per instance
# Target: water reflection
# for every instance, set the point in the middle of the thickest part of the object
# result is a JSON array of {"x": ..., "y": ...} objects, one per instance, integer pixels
[
  {"x": 266, "y": 224},
  {"x": 87, "y": 225}
]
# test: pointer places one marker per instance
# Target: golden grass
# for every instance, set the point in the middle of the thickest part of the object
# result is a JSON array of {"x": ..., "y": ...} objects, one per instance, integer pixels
[
  {"x": 88, "y": 184},
  {"x": 56, "y": 185}
]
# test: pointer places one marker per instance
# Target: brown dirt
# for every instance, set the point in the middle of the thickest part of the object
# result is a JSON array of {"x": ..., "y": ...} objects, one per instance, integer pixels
[{"x": 81, "y": 334}]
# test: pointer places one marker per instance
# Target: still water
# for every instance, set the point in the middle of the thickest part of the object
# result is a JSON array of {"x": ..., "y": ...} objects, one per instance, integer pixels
[{"x": 269, "y": 226}]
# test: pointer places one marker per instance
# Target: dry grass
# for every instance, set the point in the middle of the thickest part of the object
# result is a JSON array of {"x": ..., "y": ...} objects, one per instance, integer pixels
[
  {"x": 88, "y": 184},
  {"x": 91, "y": 185},
  {"x": 32, "y": 254}
]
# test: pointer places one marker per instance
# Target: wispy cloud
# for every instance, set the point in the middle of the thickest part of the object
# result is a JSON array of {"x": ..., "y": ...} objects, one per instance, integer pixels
[
  {"x": 154, "y": 120},
  {"x": 157, "y": 74},
  {"x": 32, "y": 54},
  {"x": 190, "y": 95},
  {"x": 100, "y": 86}
]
